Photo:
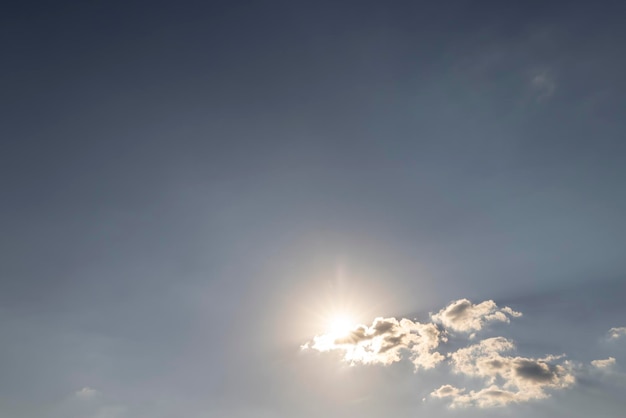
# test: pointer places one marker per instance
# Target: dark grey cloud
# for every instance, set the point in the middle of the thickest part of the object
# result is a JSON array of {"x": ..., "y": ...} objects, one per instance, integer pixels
[
  {"x": 387, "y": 327},
  {"x": 534, "y": 371}
]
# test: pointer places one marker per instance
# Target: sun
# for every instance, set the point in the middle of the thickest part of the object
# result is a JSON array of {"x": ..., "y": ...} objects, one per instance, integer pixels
[{"x": 340, "y": 326}]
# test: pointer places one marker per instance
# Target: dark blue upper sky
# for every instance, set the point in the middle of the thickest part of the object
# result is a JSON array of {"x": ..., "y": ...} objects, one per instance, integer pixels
[{"x": 184, "y": 184}]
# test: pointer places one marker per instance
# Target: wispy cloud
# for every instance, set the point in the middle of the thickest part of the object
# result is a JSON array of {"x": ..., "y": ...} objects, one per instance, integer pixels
[
  {"x": 543, "y": 85},
  {"x": 615, "y": 333},
  {"x": 604, "y": 364},
  {"x": 86, "y": 393},
  {"x": 88, "y": 402}
]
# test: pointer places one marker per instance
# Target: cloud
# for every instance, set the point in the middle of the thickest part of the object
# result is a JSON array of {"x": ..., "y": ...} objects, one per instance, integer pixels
[
  {"x": 491, "y": 396},
  {"x": 543, "y": 85},
  {"x": 604, "y": 364},
  {"x": 88, "y": 403},
  {"x": 495, "y": 375},
  {"x": 511, "y": 379},
  {"x": 615, "y": 333},
  {"x": 86, "y": 393},
  {"x": 386, "y": 341},
  {"x": 464, "y": 316},
  {"x": 446, "y": 391}
]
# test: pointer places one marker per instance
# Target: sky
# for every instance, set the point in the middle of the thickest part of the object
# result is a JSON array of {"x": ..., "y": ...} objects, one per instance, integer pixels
[{"x": 312, "y": 209}]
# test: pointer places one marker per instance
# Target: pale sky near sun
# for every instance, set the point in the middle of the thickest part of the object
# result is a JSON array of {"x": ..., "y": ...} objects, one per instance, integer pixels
[{"x": 312, "y": 209}]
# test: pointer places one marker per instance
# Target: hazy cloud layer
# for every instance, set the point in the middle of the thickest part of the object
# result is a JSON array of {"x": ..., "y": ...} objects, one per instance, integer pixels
[
  {"x": 87, "y": 403},
  {"x": 86, "y": 393},
  {"x": 464, "y": 316}
]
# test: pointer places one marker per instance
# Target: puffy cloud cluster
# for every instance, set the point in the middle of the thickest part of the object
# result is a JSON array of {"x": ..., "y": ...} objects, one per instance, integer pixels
[
  {"x": 464, "y": 316},
  {"x": 503, "y": 377},
  {"x": 510, "y": 379},
  {"x": 389, "y": 340},
  {"x": 386, "y": 341},
  {"x": 615, "y": 333}
]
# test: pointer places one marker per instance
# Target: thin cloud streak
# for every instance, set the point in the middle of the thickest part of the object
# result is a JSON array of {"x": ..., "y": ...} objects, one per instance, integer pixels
[{"x": 604, "y": 364}]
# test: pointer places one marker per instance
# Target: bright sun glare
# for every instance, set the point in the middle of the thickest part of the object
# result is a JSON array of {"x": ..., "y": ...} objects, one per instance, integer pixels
[{"x": 340, "y": 326}]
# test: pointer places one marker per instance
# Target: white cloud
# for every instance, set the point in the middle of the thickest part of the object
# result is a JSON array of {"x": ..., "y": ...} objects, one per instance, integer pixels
[
  {"x": 604, "y": 364},
  {"x": 446, "y": 391},
  {"x": 464, "y": 316},
  {"x": 494, "y": 374},
  {"x": 386, "y": 341},
  {"x": 615, "y": 333},
  {"x": 511, "y": 379}
]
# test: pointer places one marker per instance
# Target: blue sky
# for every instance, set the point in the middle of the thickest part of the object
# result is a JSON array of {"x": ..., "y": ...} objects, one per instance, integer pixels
[{"x": 193, "y": 195}]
